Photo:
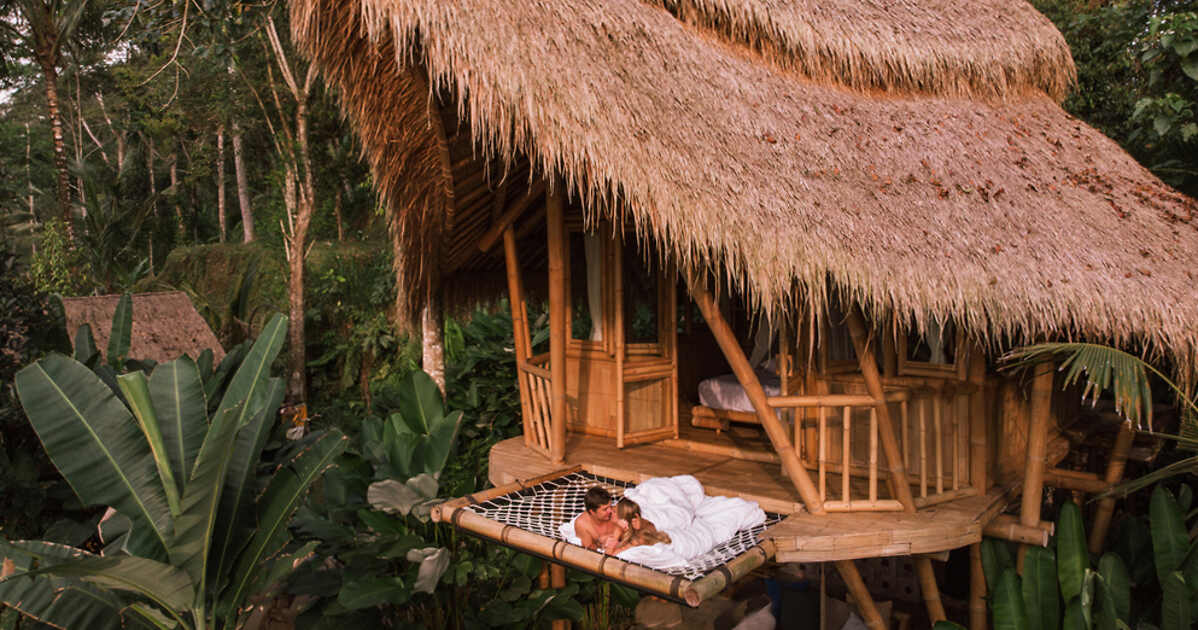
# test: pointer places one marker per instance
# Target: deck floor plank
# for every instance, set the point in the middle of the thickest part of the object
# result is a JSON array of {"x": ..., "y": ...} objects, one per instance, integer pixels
[{"x": 801, "y": 537}]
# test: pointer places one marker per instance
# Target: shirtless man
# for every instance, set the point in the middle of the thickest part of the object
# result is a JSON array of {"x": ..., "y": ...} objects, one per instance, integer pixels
[{"x": 595, "y": 527}]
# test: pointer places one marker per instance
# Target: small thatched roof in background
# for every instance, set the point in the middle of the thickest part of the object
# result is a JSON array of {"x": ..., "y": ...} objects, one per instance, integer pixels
[
  {"x": 165, "y": 325},
  {"x": 917, "y": 162}
]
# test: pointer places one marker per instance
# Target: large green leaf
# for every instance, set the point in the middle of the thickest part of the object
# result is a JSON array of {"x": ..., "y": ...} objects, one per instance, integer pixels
[
  {"x": 275, "y": 509},
  {"x": 95, "y": 443},
  {"x": 1007, "y": 603},
  {"x": 1072, "y": 556},
  {"x": 1075, "y": 617},
  {"x": 191, "y": 550},
  {"x": 996, "y": 558},
  {"x": 214, "y": 383},
  {"x": 1175, "y": 603},
  {"x": 136, "y": 389},
  {"x": 420, "y": 402},
  {"x": 85, "y": 345},
  {"x": 1040, "y": 589},
  {"x": 161, "y": 583},
  {"x": 250, "y": 383},
  {"x": 1170, "y": 542},
  {"x": 61, "y": 602},
  {"x": 1106, "y": 617},
  {"x": 369, "y": 592},
  {"x": 235, "y": 522},
  {"x": 1117, "y": 584},
  {"x": 121, "y": 335},
  {"x": 178, "y": 397}
]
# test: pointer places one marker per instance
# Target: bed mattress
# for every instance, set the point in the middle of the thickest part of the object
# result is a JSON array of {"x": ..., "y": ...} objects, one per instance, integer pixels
[{"x": 725, "y": 392}]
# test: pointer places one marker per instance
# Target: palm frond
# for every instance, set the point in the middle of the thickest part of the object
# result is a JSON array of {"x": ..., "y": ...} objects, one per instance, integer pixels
[{"x": 1187, "y": 465}]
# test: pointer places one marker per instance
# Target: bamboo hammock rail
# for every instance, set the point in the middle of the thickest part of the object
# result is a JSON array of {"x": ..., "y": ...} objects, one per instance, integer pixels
[{"x": 538, "y": 415}]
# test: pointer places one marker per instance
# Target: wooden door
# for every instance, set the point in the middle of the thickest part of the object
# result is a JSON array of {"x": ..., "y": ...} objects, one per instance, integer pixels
[{"x": 646, "y": 349}]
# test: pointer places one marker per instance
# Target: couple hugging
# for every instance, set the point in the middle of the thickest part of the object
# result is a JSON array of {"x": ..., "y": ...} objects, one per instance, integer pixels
[{"x": 600, "y": 532}]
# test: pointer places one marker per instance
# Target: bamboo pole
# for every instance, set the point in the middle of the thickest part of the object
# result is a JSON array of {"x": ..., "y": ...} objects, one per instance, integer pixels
[
  {"x": 846, "y": 457},
  {"x": 519, "y": 326},
  {"x": 905, "y": 420},
  {"x": 856, "y": 586},
  {"x": 1037, "y": 441},
  {"x": 923, "y": 447},
  {"x": 977, "y": 589},
  {"x": 1075, "y": 480},
  {"x": 554, "y": 217},
  {"x": 899, "y": 487},
  {"x": 1008, "y": 527},
  {"x": 946, "y": 496},
  {"x": 938, "y": 436},
  {"x": 618, "y": 340},
  {"x": 979, "y": 466},
  {"x": 955, "y": 421},
  {"x": 878, "y": 505},
  {"x": 873, "y": 455},
  {"x": 823, "y": 453},
  {"x": 748, "y": 380},
  {"x": 557, "y": 580},
  {"x": 1114, "y": 474},
  {"x": 508, "y": 217},
  {"x": 831, "y": 400}
]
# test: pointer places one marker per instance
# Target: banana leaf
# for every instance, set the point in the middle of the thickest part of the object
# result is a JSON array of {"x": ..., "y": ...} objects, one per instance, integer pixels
[
  {"x": 1075, "y": 618},
  {"x": 1175, "y": 603},
  {"x": 193, "y": 540},
  {"x": 166, "y": 586},
  {"x": 1007, "y": 603},
  {"x": 121, "y": 335},
  {"x": 1116, "y": 584},
  {"x": 137, "y": 395},
  {"x": 1072, "y": 556},
  {"x": 996, "y": 558},
  {"x": 60, "y": 602},
  {"x": 1105, "y": 615},
  {"x": 85, "y": 345},
  {"x": 1040, "y": 589},
  {"x": 275, "y": 508},
  {"x": 249, "y": 384},
  {"x": 1170, "y": 541},
  {"x": 94, "y": 442},
  {"x": 177, "y": 394}
]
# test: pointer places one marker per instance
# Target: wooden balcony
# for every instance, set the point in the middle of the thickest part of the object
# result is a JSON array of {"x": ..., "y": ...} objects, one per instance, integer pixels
[{"x": 743, "y": 465}]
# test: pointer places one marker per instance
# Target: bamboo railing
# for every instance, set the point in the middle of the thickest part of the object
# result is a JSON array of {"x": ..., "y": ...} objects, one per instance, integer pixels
[
  {"x": 933, "y": 427},
  {"x": 536, "y": 399}
]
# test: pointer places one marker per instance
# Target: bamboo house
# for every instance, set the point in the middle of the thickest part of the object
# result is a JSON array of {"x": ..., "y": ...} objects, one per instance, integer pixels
[{"x": 781, "y": 245}]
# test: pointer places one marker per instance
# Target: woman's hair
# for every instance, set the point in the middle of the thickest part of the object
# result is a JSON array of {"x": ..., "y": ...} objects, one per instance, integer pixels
[{"x": 626, "y": 510}]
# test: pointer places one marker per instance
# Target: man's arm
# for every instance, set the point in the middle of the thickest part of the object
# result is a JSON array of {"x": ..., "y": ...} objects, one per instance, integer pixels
[{"x": 586, "y": 534}]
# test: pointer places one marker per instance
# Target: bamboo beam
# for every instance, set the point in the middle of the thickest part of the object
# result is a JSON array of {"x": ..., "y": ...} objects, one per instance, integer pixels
[
  {"x": 555, "y": 219},
  {"x": 846, "y": 456},
  {"x": 832, "y": 400},
  {"x": 509, "y": 216},
  {"x": 856, "y": 586},
  {"x": 618, "y": 339},
  {"x": 557, "y": 580},
  {"x": 519, "y": 327},
  {"x": 1075, "y": 480},
  {"x": 1008, "y": 527},
  {"x": 748, "y": 380},
  {"x": 1114, "y": 474},
  {"x": 1037, "y": 441},
  {"x": 979, "y": 466},
  {"x": 977, "y": 589},
  {"x": 899, "y": 487}
]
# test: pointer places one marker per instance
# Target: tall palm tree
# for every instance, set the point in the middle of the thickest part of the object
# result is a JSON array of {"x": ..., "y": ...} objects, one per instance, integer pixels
[{"x": 43, "y": 27}]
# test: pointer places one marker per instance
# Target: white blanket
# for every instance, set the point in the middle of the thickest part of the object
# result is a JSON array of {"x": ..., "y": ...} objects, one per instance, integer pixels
[{"x": 695, "y": 522}]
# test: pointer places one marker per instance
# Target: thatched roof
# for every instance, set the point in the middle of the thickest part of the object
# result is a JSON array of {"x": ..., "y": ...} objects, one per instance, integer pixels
[
  {"x": 918, "y": 163},
  {"x": 165, "y": 325}
]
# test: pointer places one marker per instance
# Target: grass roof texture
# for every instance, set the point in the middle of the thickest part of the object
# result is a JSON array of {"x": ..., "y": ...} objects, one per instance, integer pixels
[{"x": 909, "y": 155}]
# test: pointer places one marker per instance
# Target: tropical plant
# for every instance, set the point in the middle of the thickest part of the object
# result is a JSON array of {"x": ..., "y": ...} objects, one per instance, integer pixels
[
  {"x": 199, "y": 535},
  {"x": 1063, "y": 588},
  {"x": 1127, "y": 378}
]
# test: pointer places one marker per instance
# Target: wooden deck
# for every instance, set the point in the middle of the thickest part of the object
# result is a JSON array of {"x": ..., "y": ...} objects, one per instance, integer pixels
[{"x": 734, "y": 465}]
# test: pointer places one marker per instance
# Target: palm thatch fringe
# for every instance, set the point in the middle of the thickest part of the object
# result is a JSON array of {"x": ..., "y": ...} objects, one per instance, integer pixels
[{"x": 1008, "y": 216}]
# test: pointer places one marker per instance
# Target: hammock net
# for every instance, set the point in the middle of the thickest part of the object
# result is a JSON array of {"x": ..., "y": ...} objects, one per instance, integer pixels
[{"x": 542, "y": 508}]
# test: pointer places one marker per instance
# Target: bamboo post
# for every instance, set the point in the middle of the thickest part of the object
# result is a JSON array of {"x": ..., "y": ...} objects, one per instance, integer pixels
[
  {"x": 900, "y": 488},
  {"x": 1037, "y": 441},
  {"x": 873, "y": 454},
  {"x": 978, "y": 456},
  {"x": 856, "y": 586},
  {"x": 846, "y": 448},
  {"x": 823, "y": 453},
  {"x": 555, "y": 218},
  {"x": 1114, "y": 474},
  {"x": 618, "y": 340},
  {"x": 938, "y": 436},
  {"x": 954, "y": 420},
  {"x": 923, "y": 447},
  {"x": 905, "y": 419},
  {"x": 519, "y": 327},
  {"x": 977, "y": 589},
  {"x": 748, "y": 380},
  {"x": 1008, "y": 527},
  {"x": 557, "y": 580},
  {"x": 1075, "y": 480}
]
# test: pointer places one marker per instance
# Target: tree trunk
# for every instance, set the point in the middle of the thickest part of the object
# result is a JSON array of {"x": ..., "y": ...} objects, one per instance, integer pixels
[
  {"x": 243, "y": 186},
  {"x": 305, "y": 205},
  {"x": 180, "y": 228},
  {"x": 432, "y": 358},
  {"x": 50, "y": 78},
  {"x": 153, "y": 197},
  {"x": 337, "y": 208},
  {"x": 220, "y": 181},
  {"x": 29, "y": 171}
]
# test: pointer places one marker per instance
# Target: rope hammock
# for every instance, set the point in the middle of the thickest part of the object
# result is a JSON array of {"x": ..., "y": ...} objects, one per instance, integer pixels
[{"x": 527, "y": 516}]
